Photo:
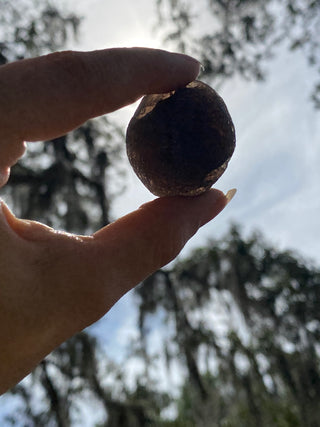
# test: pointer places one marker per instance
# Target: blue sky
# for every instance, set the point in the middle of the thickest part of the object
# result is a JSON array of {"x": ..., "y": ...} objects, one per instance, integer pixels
[{"x": 276, "y": 163}]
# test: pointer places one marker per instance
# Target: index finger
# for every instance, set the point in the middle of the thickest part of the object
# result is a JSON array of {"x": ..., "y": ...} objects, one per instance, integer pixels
[{"x": 46, "y": 97}]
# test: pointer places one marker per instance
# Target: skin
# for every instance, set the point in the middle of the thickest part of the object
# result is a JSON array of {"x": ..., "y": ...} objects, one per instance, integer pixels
[{"x": 54, "y": 284}]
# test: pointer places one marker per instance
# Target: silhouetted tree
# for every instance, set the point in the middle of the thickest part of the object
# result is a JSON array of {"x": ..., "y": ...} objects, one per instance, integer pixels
[
  {"x": 264, "y": 368},
  {"x": 233, "y": 37}
]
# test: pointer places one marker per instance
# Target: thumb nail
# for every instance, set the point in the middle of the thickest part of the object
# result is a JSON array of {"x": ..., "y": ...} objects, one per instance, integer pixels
[{"x": 230, "y": 194}]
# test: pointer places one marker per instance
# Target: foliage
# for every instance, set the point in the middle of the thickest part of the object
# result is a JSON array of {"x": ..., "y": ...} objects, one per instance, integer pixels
[
  {"x": 65, "y": 182},
  {"x": 232, "y": 37},
  {"x": 245, "y": 319},
  {"x": 79, "y": 371},
  {"x": 32, "y": 27}
]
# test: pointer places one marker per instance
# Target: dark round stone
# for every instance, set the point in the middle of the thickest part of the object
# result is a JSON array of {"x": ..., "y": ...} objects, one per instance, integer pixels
[{"x": 180, "y": 143}]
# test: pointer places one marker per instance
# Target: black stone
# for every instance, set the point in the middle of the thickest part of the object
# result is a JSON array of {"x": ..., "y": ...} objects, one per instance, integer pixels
[{"x": 180, "y": 143}]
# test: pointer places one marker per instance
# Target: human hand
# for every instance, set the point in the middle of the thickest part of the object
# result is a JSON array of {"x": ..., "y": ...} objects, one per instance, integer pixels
[{"x": 54, "y": 284}]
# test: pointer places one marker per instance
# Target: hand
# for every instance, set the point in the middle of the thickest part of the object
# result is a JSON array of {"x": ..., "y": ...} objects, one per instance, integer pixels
[{"x": 54, "y": 284}]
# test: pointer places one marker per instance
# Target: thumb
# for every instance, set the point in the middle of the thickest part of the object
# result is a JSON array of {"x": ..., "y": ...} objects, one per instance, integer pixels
[
  {"x": 150, "y": 237},
  {"x": 93, "y": 272}
]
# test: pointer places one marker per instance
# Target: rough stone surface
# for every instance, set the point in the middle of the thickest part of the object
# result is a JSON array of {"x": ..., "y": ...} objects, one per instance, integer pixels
[{"x": 180, "y": 143}]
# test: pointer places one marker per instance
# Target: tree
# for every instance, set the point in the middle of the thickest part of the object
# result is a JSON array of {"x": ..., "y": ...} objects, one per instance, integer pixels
[
  {"x": 78, "y": 372},
  {"x": 233, "y": 37},
  {"x": 263, "y": 372}
]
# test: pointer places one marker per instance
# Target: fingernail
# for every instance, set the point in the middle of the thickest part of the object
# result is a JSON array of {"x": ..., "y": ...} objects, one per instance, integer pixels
[{"x": 230, "y": 194}]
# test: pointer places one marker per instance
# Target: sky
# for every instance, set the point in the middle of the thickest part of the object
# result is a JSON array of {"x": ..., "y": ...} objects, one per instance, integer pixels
[{"x": 275, "y": 167}]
